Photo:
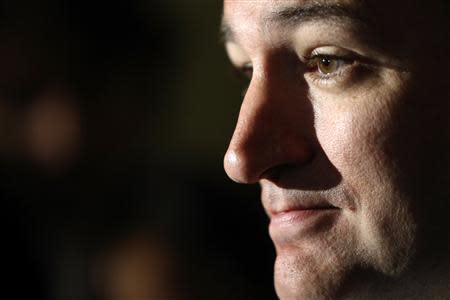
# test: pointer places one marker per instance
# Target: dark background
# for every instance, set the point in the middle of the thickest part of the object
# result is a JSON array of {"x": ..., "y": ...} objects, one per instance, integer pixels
[{"x": 114, "y": 119}]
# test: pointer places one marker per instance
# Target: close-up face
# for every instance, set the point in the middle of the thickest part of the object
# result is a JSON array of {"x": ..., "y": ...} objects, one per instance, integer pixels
[{"x": 344, "y": 126}]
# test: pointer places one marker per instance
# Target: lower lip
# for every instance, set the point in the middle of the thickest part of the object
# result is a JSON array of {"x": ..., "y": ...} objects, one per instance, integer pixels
[{"x": 294, "y": 224}]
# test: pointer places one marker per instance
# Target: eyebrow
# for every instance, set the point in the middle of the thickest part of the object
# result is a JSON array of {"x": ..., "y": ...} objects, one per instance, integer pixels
[
  {"x": 294, "y": 16},
  {"x": 226, "y": 34},
  {"x": 317, "y": 12}
]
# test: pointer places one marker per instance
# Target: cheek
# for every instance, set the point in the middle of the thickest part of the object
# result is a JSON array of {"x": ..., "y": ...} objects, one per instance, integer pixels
[
  {"x": 349, "y": 138},
  {"x": 354, "y": 125},
  {"x": 354, "y": 135}
]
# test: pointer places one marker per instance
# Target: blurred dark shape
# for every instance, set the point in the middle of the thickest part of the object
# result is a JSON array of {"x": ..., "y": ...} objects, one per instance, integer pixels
[
  {"x": 107, "y": 120},
  {"x": 52, "y": 129},
  {"x": 79, "y": 81},
  {"x": 138, "y": 267}
]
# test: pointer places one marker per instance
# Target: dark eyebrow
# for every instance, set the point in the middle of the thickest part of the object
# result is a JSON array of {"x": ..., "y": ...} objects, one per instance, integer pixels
[
  {"x": 294, "y": 16},
  {"x": 226, "y": 33}
]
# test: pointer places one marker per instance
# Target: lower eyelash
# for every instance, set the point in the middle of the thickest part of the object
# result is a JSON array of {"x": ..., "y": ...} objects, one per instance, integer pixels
[{"x": 327, "y": 79}]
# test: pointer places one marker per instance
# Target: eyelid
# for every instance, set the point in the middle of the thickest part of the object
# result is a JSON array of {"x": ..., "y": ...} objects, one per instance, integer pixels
[
  {"x": 329, "y": 51},
  {"x": 346, "y": 56}
]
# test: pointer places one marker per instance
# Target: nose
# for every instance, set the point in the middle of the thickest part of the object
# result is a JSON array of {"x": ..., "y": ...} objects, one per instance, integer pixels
[{"x": 273, "y": 129}]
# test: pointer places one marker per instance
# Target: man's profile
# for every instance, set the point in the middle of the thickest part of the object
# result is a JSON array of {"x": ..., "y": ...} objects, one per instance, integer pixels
[{"x": 345, "y": 126}]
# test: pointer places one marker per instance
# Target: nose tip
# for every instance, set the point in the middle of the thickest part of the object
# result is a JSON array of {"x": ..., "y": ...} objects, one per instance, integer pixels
[
  {"x": 238, "y": 168},
  {"x": 231, "y": 165}
]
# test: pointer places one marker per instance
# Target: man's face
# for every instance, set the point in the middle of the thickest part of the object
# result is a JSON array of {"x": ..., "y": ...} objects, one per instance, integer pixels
[{"x": 344, "y": 127}]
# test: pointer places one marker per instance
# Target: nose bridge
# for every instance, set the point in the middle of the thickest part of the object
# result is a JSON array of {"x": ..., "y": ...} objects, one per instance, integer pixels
[
  {"x": 270, "y": 130},
  {"x": 255, "y": 119}
]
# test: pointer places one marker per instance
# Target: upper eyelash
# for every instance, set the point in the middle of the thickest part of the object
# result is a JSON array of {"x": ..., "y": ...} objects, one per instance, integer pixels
[{"x": 313, "y": 58}]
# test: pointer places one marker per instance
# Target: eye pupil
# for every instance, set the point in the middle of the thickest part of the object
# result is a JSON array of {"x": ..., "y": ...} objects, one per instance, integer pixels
[
  {"x": 327, "y": 65},
  {"x": 326, "y": 62}
]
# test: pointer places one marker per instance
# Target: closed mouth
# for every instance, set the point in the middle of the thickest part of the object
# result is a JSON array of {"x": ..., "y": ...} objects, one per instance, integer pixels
[
  {"x": 318, "y": 207},
  {"x": 299, "y": 222}
]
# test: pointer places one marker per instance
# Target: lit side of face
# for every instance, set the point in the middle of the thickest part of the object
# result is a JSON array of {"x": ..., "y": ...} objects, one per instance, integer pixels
[{"x": 325, "y": 128}]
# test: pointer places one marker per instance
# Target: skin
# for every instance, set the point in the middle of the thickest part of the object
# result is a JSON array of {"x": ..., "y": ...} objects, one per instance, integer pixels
[{"x": 368, "y": 142}]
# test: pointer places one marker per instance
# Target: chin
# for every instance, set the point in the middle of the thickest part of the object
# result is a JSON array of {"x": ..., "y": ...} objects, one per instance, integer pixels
[
  {"x": 316, "y": 268},
  {"x": 298, "y": 277},
  {"x": 324, "y": 266}
]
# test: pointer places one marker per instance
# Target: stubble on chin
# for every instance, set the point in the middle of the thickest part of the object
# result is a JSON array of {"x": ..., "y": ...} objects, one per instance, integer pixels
[
  {"x": 378, "y": 244},
  {"x": 388, "y": 235},
  {"x": 315, "y": 269}
]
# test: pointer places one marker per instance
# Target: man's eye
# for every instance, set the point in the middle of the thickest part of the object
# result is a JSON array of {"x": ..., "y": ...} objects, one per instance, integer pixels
[
  {"x": 246, "y": 71},
  {"x": 244, "y": 74},
  {"x": 327, "y": 65}
]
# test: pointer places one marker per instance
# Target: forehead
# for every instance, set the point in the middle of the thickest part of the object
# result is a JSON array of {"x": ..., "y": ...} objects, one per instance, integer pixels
[
  {"x": 257, "y": 17},
  {"x": 267, "y": 23},
  {"x": 253, "y": 17},
  {"x": 255, "y": 7},
  {"x": 245, "y": 10}
]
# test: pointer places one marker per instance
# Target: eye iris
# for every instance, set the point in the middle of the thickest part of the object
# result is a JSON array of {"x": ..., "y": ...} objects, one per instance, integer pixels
[{"x": 327, "y": 65}]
